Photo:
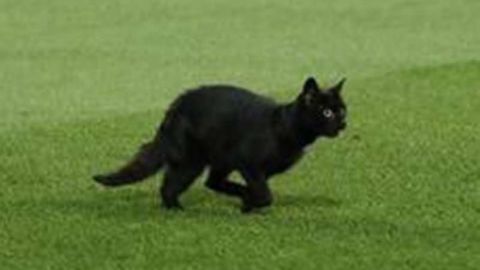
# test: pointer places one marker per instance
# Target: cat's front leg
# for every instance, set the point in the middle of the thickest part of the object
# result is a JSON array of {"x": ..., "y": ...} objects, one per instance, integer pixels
[{"x": 258, "y": 192}]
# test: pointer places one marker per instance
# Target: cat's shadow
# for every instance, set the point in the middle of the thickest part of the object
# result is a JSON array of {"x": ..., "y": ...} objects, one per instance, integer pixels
[
  {"x": 136, "y": 204},
  {"x": 302, "y": 200}
]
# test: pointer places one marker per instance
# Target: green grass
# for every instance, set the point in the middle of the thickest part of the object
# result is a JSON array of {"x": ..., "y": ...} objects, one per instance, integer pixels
[{"x": 83, "y": 83}]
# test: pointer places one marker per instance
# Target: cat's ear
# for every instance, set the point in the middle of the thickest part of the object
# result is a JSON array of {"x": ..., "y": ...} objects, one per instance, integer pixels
[
  {"x": 337, "y": 88},
  {"x": 310, "y": 89}
]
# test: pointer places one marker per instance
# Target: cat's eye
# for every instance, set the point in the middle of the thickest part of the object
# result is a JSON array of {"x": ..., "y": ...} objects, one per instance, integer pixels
[{"x": 327, "y": 113}]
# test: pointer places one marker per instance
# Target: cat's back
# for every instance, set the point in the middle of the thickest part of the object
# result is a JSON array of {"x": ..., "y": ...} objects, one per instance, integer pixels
[{"x": 221, "y": 100}]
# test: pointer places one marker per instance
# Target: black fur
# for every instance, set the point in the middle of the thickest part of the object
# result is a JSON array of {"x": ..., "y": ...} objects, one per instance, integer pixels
[{"x": 231, "y": 129}]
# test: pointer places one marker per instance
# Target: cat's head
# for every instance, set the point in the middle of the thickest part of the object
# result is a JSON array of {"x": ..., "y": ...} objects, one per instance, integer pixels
[{"x": 322, "y": 110}]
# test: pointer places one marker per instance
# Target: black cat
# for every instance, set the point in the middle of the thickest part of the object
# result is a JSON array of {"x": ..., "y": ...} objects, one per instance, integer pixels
[{"x": 228, "y": 128}]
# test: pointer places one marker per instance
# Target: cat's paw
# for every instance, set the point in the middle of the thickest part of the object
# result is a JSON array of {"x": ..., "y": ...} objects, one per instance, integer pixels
[
  {"x": 254, "y": 210},
  {"x": 172, "y": 206},
  {"x": 247, "y": 209}
]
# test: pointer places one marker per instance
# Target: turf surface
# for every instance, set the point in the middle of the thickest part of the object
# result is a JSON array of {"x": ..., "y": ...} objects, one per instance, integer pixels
[{"x": 83, "y": 83}]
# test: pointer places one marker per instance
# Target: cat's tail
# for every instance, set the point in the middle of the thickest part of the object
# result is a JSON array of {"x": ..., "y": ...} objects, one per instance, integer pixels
[{"x": 148, "y": 161}]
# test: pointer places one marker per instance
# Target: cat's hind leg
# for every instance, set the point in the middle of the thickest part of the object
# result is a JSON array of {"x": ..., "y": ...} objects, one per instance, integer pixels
[
  {"x": 217, "y": 181},
  {"x": 177, "y": 179}
]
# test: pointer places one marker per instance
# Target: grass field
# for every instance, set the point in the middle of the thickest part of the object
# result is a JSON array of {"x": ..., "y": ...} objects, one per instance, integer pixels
[{"x": 83, "y": 83}]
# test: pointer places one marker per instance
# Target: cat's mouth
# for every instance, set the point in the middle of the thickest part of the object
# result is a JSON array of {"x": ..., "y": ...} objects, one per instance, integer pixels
[
  {"x": 333, "y": 134},
  {"x": 336, "y": 131}
]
